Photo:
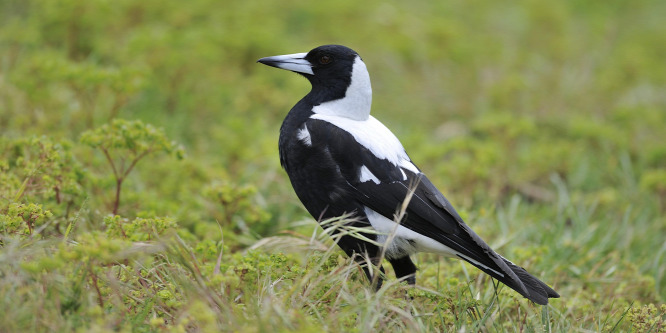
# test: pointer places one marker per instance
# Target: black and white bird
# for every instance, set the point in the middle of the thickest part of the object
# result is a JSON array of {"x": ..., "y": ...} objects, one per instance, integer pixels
[{"x": 341, "y": 160}]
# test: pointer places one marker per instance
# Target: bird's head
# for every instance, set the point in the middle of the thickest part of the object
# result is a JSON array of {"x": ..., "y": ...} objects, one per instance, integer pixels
[{"x": 337, "y": 73}]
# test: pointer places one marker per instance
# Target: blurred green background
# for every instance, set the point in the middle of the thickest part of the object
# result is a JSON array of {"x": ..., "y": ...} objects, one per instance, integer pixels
[{"x": 544, "y": 122}]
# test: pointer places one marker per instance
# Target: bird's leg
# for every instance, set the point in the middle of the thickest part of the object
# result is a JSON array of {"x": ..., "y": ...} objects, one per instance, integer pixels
[
  {"x": 404, "y": 268},
  {"x": 377, "y": 280},
  {"x": 367, "y": 256},
  {"x": 380, "y": 278}
]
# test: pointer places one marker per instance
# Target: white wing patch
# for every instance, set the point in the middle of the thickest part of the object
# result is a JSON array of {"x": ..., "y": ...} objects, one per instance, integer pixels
[
  {"x": 367, "y": 175},
  {"x": 304, "y": 135}
]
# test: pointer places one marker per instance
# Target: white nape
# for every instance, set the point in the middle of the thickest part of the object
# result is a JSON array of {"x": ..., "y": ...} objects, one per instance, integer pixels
[
  {"x": 367, "y": 175},
  {"x": 358, "y": 97}
]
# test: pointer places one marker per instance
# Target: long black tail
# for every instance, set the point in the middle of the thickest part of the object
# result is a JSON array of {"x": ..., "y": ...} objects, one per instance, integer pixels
[
  {"x": 473, "y": 249},
  {"x": 538, "y": 291},
  {"x": 528, "y": 285}
]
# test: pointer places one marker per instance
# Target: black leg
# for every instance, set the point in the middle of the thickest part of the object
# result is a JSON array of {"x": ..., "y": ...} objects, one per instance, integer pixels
[
  {"x": 379, "y": 280},
  {"x": 404, "y": 267},
  {"x": 360, "y": 251}
]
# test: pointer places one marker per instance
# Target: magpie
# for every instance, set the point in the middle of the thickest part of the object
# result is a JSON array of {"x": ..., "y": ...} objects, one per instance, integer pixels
[{"x": 341, "y": 160}]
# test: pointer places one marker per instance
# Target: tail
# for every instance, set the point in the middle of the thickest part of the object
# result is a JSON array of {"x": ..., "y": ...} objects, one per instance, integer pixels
[
  {"x": 526, "y": 284},
  {"x": 537, "y": 290}
]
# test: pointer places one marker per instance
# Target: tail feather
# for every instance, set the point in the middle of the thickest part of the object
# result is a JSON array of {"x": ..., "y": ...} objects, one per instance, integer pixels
[
  {"x": 479, "y": 254},
  {"x": 527, "y": 285},
  {"x": 491, "y": 263},
  {"x": 538, "y": 291}
]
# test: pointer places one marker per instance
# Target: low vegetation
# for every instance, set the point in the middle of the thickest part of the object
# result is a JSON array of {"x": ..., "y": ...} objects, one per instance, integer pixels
[{"x": 140, "y": 188}]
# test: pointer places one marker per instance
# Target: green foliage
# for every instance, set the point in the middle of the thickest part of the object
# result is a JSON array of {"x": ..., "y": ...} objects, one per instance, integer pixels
[
  {"x": 124, "y": 144},
  {"x": 40, "y": 169},
  {"x": 23, "y": 219},
  {"x": 132, "y": 138},
  {"x": 46, "y": 75},
  {"x": 40, "y": 180},
  {"x": 655, "y": 181},
  {"x": 140, "y": 229},
  {"x": 648, "y": 318},
  {"x": 236, "y": 206},
  {"x": 543, "y": 122}
]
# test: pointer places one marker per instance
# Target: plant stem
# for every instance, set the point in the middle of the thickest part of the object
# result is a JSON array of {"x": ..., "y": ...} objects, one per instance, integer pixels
[
  {"x": 100, "y": 299},
  {"x": 119, "y": 184}
]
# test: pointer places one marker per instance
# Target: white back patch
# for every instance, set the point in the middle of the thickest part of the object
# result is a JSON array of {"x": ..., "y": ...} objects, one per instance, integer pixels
[
  {"x": 366, "y": 175},
  {"x": 358, "y": 98},
  {"x": 304, "y": 135},
  {"x": 374, "y": 136}
]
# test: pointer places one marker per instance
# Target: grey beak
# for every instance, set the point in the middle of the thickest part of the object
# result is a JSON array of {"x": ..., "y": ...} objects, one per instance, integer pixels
[{"x": 293, "y": 62}]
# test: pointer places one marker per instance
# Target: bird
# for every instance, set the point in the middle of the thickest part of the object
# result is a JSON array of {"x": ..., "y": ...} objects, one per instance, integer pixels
[{"x": 342, "y": 162}]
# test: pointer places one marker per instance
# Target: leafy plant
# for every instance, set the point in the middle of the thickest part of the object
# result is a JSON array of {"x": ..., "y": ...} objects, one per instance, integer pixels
[
  {"x": 40, "y": 180},
  {"x": 23, "y": 219},
  {"x": 124, "y": 144}
]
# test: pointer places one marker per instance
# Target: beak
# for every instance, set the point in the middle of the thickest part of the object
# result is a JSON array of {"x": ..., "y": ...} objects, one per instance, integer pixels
[{"x": 293, "y": 62}]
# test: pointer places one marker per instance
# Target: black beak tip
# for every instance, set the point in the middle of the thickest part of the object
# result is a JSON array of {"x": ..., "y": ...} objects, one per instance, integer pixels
[
  {"x": 265, "y": 61},
  {"x": 268, "y": 62}
]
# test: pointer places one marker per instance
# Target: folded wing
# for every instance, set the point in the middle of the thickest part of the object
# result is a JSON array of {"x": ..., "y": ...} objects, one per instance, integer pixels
[{"x": 383, "y": 186}]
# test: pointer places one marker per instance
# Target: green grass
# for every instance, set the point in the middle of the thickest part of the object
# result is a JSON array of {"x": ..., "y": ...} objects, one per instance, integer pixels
[{"x": 542, "y": 122}]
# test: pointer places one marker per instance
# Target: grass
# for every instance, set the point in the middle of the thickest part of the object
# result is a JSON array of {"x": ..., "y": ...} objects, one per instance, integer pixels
[{"x": 542, "y": 122}]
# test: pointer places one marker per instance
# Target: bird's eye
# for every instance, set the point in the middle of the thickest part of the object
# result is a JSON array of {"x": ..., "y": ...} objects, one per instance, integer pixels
[{"x": 324, "y": 60}]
